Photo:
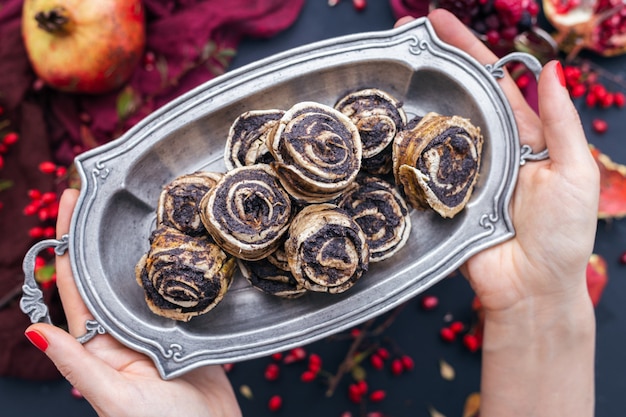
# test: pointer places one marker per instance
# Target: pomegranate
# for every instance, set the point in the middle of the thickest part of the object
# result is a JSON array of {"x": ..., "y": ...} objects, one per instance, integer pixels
[
  {"x": 596, "y": 25},
  {"x": 84, "y": 46}
]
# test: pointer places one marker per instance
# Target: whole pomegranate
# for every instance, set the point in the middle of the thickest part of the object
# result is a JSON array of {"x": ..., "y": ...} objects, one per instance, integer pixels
[{"x": 83, "y": 46}]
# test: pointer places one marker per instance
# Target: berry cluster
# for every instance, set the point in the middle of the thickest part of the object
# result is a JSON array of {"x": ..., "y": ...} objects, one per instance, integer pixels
[{"x": 497, "y": 22}]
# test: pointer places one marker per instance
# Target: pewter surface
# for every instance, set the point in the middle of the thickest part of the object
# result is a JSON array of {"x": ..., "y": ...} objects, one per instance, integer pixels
[{"x": 122, "y": 181}]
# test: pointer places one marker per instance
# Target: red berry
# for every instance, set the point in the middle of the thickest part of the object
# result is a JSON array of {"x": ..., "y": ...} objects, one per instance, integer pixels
[
  {"x": 48, "y": 197},
  {"x": 383, "y": 353},
  {"x": 10, "y": 138},
  {"x": 578, "y": 90},
  {"x": 397, "y": 367},
  {"x": 3, "y": 149},
  {"x": 47, "y": 167},
  {"x": 272, "y": 372},
  {"x": 34, "y": 194},
  {"x": 43, "y": 214},
  {"x": 359, "y": 5},
  {"x": 308, "y": 376},
  {"x": 471, "y": 342},
  {"x": 377, "y": 396},
  {"x": 599, "y": 125},
  {"x": 315, "y": 362},
  {"x": 49, "y": 232},
  {"x": 591, "y": 100},
  {"x": 355, "y": 333},
  {"x": 228, "y": 367},
  {"x": 277, "y": 356},
  {"x": 377, "y": 362},
  {"x": 493, "y": 37},
  {"x": 522, "y": 81},
  {"x": 607, "y": 101},
  {"x": 30, "y": 210},
  {"x": 76, "y": 393},
  {"x": 429, "y": 302},
  {"x": 622, "y": 258},
  {"x": 1, "y": 162},
  {"x": 60, "y": 172},
  {"x": 619, "y": 99},
  {"x": 36, "y": 232},
  {"x": 354, "y": 393},
  {"x": 457, "y": 327},
  {"x": 447, "y": 334},
  {"x": 39, "y": 262},
  {"x": 407, "y": 362},
  {"x": 275, "y": 403},
  {"x": 295, "y": 355}
]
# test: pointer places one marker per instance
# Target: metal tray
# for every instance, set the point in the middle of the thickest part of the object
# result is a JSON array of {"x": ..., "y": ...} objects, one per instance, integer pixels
[{"x": 121, "y": 182}]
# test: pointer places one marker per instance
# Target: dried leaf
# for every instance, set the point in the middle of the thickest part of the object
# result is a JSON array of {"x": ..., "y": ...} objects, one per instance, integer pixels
[
  {"x": 597, "y": 277},
  {"x": 358, "y": 373},
  {"x": 246, "y": 391},
  {"x": 472, "y": 405},
  {"x": 434, "y": 413},
  {"x": 612, "y": 186},
  {"x": 5, "y": 184},
  {"x": 446, "y": 370}
]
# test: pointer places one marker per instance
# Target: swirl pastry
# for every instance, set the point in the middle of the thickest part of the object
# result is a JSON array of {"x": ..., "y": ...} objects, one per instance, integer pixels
[
  {"x": 272, "y": 275},
  {"x": 382, "y": 214},
  {"x": 247, "y": 212},
  {"x": 246, "y": 141},
  {"x": 317, "y": 150},
  {"x": 378, "y": 116},
  {"x": 436, "y": 162},
  {"x": 326, "y": 249},
  {"x": 179, "y": 201},
  {"x": 183, "y": 276}
]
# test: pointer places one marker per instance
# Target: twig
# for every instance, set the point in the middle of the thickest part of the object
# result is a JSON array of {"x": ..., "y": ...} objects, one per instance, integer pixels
[{"x": 10, "y": 296}]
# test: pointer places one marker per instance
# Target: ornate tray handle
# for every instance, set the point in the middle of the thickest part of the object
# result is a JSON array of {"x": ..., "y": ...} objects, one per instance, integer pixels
[
  {"x": 32, "y": 303},
  {"x": 534, "y": 66}
]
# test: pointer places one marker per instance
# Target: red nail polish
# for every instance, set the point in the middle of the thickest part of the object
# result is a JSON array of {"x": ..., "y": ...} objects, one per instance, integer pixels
[
  {"x": 37, "y": 339},
  {"x": 560, "y": 74}
]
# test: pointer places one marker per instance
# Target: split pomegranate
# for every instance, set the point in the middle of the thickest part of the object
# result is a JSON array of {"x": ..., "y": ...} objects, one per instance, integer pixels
[
  {"x": 598, "y": 25},
  {"x": 84, "y": 46}
]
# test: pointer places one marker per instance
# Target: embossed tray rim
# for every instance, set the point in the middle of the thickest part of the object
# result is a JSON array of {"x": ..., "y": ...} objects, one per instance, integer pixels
[{"x": 177, "y": 348}]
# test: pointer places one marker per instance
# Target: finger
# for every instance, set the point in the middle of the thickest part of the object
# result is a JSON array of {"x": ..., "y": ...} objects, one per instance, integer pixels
[
  {"x": 451, "y": 31},
  {"x": 72, "y": 360},
  {"x": 403, "y": 21},
  {"x": 75, "y": 310},
  {"x": 562, "y": 127}
]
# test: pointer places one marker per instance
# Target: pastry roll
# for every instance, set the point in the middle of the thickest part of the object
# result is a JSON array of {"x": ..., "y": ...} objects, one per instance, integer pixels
[
  {"x": 183, "y": 276},
  {"x": 246, "y": 141},
  {"x": 436, "y": 162},
  {"x": 326, "y": 249},
  {"x": 272, "y": 275},
  {"x": 247, "y": 212},
  {"x": 381, "y": 212},
  {"x": 179, "y": 201},
  {"x": 317, "y": 151},
  {"x": 378, "y": 116}
]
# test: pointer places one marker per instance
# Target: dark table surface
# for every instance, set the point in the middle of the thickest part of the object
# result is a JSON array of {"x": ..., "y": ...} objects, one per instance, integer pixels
[{"x": 410, "y": 330}]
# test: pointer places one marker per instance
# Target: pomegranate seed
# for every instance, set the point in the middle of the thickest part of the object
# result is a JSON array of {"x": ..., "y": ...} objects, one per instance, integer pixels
[
  {"x": 275, "y": 403},
  {"x": 429, "y": 302},
  {"x": 272, "y": 372},
  {"x": 471, "y": 342},
  {"x": 377, "y": 362},
  {"x": 407, "y": 362},
  {"x": 457, "y": 327},
  {"x": 47, "y": 167},
  {"x": 447, "y": 334},
  {"x": 10, "y": 138},
  {"x": 308, "y": 376},
  {"x": 397, "y": 367},
  {"x": 619, "y": 99},
  {"x": 359, "y": 5},
  {"x": 599, "y": 125},
  {"x": 377, "y": 396}
]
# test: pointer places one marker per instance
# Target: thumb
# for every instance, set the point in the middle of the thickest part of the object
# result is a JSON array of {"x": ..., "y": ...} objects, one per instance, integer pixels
[
  {"x": 73, "y": 361},
  {"x": 563, "y": 131}
]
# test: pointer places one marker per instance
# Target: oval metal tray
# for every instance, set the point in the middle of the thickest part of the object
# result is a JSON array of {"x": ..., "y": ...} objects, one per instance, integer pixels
[{"x": 121, "y": 182}]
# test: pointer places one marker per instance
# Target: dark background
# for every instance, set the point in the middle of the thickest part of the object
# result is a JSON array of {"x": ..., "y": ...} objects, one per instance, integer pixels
[{"x": 411, "y": 330}]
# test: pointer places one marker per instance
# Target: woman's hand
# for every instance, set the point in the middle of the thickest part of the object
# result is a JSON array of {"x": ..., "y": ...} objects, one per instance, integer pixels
[{"x": 116, "y": 380}]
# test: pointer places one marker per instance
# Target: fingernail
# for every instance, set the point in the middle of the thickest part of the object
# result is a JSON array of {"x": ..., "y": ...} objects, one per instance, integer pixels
[
  {"x": 559, "y": 73},
  {"x": 37, "y": 339}
]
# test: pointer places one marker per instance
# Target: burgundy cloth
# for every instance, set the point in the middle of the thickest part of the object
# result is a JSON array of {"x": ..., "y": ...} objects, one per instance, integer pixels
[
  {"x": 415, "y": 8},
  {"x": 191, "y": 40}
]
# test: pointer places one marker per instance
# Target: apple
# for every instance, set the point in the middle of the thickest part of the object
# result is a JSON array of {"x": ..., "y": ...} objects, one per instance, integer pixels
[{"x": 84, "y": 46}]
